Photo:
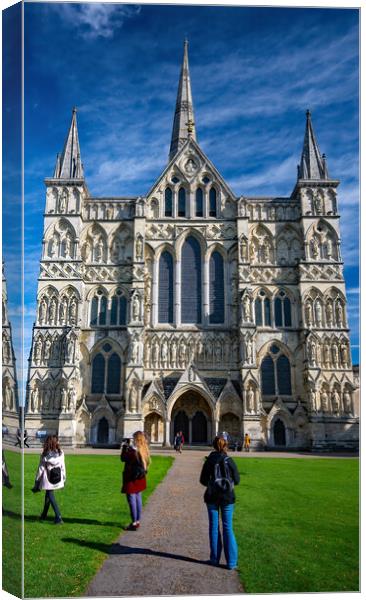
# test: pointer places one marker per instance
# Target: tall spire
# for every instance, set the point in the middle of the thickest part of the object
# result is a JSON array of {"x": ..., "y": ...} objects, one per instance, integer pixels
[
  {"x": 183, "y": 126},
  {"x": 312, "y": 165},
  {"x": 69, "y": 165}
]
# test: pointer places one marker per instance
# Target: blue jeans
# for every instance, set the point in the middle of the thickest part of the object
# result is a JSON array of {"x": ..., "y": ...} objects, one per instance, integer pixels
[
  {"x": 135, "y": 504},
  {"x": 230, "y": 545}
]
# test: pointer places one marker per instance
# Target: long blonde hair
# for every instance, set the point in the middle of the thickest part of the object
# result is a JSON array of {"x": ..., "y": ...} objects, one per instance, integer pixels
[{"x": 142, "y": 448}]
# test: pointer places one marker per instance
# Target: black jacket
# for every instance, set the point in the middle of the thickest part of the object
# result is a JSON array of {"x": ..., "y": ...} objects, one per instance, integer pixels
[{"x": 207, "y": 473}]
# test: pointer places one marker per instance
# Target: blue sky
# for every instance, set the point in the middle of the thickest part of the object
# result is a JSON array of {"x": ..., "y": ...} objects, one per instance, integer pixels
[{"x": 254, "y": 72}]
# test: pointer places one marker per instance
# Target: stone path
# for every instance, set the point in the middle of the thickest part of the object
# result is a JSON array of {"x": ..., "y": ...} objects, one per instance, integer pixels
[{"x": 168, "y": 554}]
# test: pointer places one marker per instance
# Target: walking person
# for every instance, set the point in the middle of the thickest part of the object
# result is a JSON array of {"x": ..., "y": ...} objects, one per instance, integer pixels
[
  {"x": 136, "y": 456},
  {"x": 181, "y": 437},
  {"x": 219, "y": 474},
  {"x": 6, "y": 478},
  {"x": 51, "y": 476},
  {"x": 247, "y": 441},
  {"x": 177, "y": 441}
]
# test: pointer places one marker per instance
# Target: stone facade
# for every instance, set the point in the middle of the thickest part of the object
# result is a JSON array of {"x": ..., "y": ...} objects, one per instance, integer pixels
[
  {"x": 10, "y": 401},
  {"x": 268, "y": 350}
]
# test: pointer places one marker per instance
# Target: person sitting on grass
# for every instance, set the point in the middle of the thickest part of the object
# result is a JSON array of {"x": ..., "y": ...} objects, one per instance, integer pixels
[
  {"x": 51, "y": 475},
  {"x": 136, "y": 457},
  {"x": 219, "y": 474}
]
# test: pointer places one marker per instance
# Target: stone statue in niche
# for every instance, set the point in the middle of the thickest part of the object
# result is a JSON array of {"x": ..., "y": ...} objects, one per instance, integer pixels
[
  {"x": 335, "y": 401},
  {"x": 318, "y": 313},
  {"x": 335, "y": 356},
  {"x": 328, "y": 249},
  {"x": 164, "y": 354},
  {"x": 139, "y": 248},
  {"x": 243, "y": 249},
  {"x": 62, "y": 312},
  {"x": 73, "y": 311},
  {"x": 318, "y": 204},
  {"x": 34, "y": 400},
  {"x": 42, "y": 312},
  {"x": 47, "y": 349},
  {"x": 312, "y": 352},
  {"x": 155, "y": 354},
  {"x": 190, "y": 166},
  {"x": 182, "y": 353},
  {"x": 249, "y": 350},
  {"x": 133, "y": 399},
  {"x": 308, "y": 314},
  {"x": 147, "y": 350},
  {"x": 314, "y": 247},
  {"x": 64, "y": 399},
  {"x": 347, "y": 401},
  {"x": 173, "y": 354},
  {"x": 62, "y": 207},
  {"x": 344, "y": 355},
  {"x": 312, "y": 397},
  {"x": 38, "y": 351},
  {"x": 99, "y": 250},
  {"x": 68, "y": 245},
  {"x": 326, "y": 355},
  {"x": 329, "y": 312},
  {"x": 53, "y": 311},
  {"x": 71, "y": 405},
  {"x": 70, "y": 345},
  {"x": 324, "y": 401},
  {"x": 87, "y": 250},
  {"x": 250, "y": 400},
  {"x": 339, "y": 313},
  {"x": 247, "y": 308},
  {"x": 136, "y": 308}
]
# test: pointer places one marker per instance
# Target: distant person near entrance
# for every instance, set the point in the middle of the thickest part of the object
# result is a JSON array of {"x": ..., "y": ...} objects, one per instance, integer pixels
[
  {"x": 219, "y": 474},
  {"x": 179, "y": 441},
  {"x": 247, "y": 441},
  {"x": 136, "y": 456}
]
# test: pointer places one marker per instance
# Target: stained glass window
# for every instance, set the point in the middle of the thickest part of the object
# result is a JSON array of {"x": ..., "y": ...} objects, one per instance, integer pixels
[
  {"x": 166, "y": 288},
  {"x": 191, "y": 282},
  {"x": 217, "y": 291}
]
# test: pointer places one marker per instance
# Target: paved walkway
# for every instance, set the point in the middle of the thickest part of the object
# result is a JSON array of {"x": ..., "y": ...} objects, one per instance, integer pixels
[{"x": 167, "y": 555}]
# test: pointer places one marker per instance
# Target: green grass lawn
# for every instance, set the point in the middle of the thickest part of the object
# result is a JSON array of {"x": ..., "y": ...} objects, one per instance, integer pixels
[
  {"x": 296, "y": 522},
  {"x": 60, "y": 560},
  {"x": 12, "y": 527}
]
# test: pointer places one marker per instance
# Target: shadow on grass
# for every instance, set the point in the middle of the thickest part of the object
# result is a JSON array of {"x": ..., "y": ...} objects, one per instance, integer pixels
[
  {"x": 119, "y": 549},
  {"x": 35, "y": 518}
]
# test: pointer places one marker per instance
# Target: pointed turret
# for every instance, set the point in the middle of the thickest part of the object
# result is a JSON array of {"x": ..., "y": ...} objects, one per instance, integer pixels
[
  {"x": 68, "y": 165},
  {"x": 313, "y": 164},
  {"x": 183, "y": 126}
]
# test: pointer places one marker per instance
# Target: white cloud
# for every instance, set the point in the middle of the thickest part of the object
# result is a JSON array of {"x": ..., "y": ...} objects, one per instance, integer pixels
[{"x": 97, "y": 19}]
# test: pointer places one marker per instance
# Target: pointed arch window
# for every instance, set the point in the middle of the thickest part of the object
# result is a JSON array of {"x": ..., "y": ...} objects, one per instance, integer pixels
[
  {"x": 217, "y": 290},
  {"x": 282, "y": 310},
  {"x": 182, "y": 202},
  {"x": 118, "y": 314},
  {"x": 276, "y": 373},
  {"x": 106, "y": 371},
  {"x": 191, "y": 284},
  {"x": 262, "y": 306},
  {"x": 213, "y": 202},
  {"x": 166, "y": 283},
  {"x": 98, "y": 309},
  {"x": 199, "y": 202},
  {"x": 168, "y": 207}
]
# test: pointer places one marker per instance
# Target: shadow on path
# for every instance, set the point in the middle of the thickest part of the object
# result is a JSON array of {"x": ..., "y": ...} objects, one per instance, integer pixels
[{"x": 119, "y": 549}]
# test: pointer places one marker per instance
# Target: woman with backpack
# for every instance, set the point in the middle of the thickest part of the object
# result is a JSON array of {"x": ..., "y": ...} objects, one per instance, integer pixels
[
  {"x": 219, "y": 475},
  {"x": 136, "y": 457},
  {"x": 51, "y": 475}
]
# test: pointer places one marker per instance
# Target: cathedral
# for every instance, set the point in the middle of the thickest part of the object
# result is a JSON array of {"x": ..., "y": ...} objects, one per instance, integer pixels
[
  {"x": 10, "y": 400},
  {"x": 190, "y": 308}
]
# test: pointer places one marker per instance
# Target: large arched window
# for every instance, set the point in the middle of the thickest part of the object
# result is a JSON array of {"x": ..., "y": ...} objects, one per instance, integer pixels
[
  {"x": 182, "y": 202},
  {"x": 262, "y": 307},
  {"x": 118, "y": 314},
  {"x": 217, "y": 290},
  {"x": 106, "y": 371},
  {"x": 213, "y": 203},
  {"x": 191, "y": 293},
  {"x": 168, "y": 208},
  {"x": 166, "y": 288},
  {"x": 282, "y": 310},
  {"x": 276, "y": 373},
  {"x": 199, "y": 202},
  {"x": 98, "y": 310}
]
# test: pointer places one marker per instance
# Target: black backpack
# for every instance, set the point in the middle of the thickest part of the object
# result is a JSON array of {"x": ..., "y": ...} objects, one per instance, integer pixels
[
  {"x": 221, "y": 482},
  {"x": 54, "y": 475},
  {"x": 138, "y": 470}
]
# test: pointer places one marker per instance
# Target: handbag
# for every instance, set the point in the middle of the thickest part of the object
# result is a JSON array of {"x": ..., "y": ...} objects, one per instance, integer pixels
[{"x": 54, "y": 475}]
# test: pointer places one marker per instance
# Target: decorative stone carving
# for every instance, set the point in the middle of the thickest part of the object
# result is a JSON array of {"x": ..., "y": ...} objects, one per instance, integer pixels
[
  {"x": 336, "y": 401},
  {"x": 347, "y": 401}
]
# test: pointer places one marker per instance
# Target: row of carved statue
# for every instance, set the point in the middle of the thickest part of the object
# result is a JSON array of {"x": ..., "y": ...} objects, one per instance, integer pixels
[
  {"x": 7, "y": 350},
  {"x": 8, "y": 396},
  {"x": 48, "y": 398},
  {"x": 56, "y": 311},
  {"x": 176, "y": 352},
  {"x": 328, "y": 353},
  {"x": 56, "y": 349},
  {"x": 333, "y": 400},
  {"x": 327, "y": 312}
]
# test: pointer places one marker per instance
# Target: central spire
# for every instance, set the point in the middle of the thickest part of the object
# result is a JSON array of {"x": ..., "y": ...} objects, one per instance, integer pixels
[
  {"x": 184, "y": 125},
  {"x": 313, "y": 164},
  {"x": 68, "y": 165}
]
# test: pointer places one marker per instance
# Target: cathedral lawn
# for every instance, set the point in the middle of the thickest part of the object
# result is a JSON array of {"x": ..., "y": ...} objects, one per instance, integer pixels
[
  {"x": 92, "y": 507},
  {"x": 297, "y": 524}
]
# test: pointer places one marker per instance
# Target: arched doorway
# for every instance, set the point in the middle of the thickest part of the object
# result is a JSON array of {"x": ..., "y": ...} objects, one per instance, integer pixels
[
  {"x": 181, "y": 423},
  {"x": 192, "y": 414},
  {"x": 154, "y": 427},
  {"x": 199, "y": 428},
  {"x": 103, "y": 431},
  {"x": 279, "y": 433}
]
